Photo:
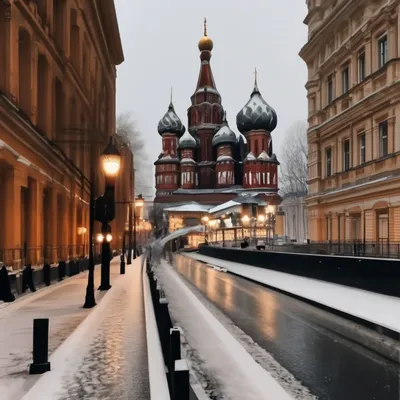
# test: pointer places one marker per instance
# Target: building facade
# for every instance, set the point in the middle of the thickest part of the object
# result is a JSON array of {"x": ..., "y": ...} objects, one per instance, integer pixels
[
  {"x": 210, "y": 163},
  {"x": 353, "y": 60},
  {"x": 57, "y": 109}
]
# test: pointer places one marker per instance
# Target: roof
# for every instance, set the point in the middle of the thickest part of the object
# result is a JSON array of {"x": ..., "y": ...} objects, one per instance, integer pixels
[{"x": 189, "y": 207}]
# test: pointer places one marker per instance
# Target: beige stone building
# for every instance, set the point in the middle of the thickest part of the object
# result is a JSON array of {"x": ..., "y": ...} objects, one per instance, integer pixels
[
  {"x": 57, "y": 94},
  {"x": 353, "y": 60}
]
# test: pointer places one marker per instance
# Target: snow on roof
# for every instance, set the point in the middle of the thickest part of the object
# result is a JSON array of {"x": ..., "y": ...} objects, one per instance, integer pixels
[
  {"x": 225, "y": 158},
  {"x": 187, "y": 161},
  {"x": 189, "y": 207},
  {"x": 224, "y": 206}
]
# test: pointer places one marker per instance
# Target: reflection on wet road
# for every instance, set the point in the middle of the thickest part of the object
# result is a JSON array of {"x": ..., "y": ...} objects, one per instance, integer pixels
[{"x": 330, "y": 366}]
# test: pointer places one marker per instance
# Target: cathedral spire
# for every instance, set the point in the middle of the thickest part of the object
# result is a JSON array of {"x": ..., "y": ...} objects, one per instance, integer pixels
[
  {"x": 255, "y": 90},
  {"x": 170, "y": 101},
  {"x": 205, "y": 26}
]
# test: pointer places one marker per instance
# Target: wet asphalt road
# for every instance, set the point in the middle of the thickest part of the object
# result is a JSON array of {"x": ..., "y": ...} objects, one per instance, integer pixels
[{"x": 333, "y": 368}]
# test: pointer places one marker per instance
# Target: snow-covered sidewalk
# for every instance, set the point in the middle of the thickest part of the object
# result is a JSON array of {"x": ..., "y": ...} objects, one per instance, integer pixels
[
  {"x": 62, "y": 304},
  {"x": 106, "y": 356},
  {"x": 373, "y": 307},
  {"x": 235, "y": 371}
]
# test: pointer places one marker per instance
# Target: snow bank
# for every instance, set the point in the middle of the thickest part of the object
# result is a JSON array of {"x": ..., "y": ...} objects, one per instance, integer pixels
[
  {"x": 373, "y": 307},
  {"x": 239, "y": 376}
]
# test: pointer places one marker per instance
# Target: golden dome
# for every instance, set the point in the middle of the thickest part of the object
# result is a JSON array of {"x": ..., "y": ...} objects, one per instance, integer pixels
[{"x": 205, "y": 42}]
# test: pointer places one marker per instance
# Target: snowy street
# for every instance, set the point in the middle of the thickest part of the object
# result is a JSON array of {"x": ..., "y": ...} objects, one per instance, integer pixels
[{"x": 292, "y": 341}]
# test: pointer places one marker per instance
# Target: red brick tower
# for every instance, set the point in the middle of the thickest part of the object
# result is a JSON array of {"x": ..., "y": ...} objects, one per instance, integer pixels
[
  {"x": 187, "y": 147},
  {"x": 205, "y": 114},
  {"x": 256, "y": 121},
  {"x": 224, "y": 141},
  {"x": 170, "y": 128}
]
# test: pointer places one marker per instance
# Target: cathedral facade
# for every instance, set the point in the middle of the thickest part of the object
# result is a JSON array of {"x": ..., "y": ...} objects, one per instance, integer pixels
[{"x": 209, "y": 163}]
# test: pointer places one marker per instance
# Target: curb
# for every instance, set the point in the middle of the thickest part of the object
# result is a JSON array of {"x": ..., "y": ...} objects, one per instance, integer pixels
[{"x": 157, "y": 377}]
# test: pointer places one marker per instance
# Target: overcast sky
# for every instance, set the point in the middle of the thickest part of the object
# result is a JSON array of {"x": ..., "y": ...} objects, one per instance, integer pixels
[{"x": 160, "y": 38}]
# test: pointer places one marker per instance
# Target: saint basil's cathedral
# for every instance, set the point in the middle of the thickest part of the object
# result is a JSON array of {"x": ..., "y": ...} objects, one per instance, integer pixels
[{"x": 209, "y": 163}]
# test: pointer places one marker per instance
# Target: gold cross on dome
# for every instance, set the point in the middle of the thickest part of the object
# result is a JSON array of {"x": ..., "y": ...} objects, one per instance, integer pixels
[{"x": 205, "y": 26}]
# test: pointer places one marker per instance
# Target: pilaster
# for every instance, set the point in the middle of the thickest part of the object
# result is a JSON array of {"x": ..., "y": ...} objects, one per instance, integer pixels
[
  {"x": 73, "y": 228},
  {"x": 35, "y": 218}
]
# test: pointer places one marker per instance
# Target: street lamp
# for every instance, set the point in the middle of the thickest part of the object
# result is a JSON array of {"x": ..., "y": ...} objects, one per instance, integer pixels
[
  {"x": 139, "y": 202},
  {"x": 105, "y": 207}
]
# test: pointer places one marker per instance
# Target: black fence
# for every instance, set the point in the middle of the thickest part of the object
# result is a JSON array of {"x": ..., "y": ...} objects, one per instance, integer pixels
[
  {"x": 354, "y": 248},
  {"x": 16, "y": 283},
  {"x": 176, "y": 366},
  {"x": 373, "y": 274}
]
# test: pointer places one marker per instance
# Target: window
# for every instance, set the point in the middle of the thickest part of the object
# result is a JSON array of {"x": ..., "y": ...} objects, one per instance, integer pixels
[
  {"x": 346, "y": 155},
  {"x": 328, "y": 156},
  {"x": 361, "y": 67},
  {"x": 383, "y": 51},
  {"x": 383, "y": 139},
  {"x": 345, "y": 79},
  {"x": 330, "y": 89},
  {"x": 362, "y": 148}
]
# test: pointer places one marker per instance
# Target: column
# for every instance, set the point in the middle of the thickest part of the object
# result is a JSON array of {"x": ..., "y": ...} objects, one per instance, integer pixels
[
  {"x": 5, "y": 16},
  {"x": 52, "y": 225},
  {"x": 73, "y": 225},
  {"x": 35, "y": 210},
  {"x": 13, "y": 180}
]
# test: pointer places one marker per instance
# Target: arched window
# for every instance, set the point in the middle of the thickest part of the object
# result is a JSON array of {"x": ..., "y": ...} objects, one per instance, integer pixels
[
  {"x": 59, "y": 108},
  {"x": 75, "y": 40},
  {"x": 42, "y": 10},
  {"x": 59, "y": 23},
  {"x": 24, "y": 71},
  {"x": 42, "y": 102},
  {"x": 4, "y": 26}
]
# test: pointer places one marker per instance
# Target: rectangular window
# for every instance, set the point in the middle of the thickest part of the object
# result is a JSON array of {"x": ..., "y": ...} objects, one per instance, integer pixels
[
  {"x": 346, "y": 155},
  {"x": 361, "y": 67},
  {"x": 328, "y": 156},
  {"x": 383, "y": 139},
  {"x": 362, "y": 148},
  {"x": 330, "y": 89},
  {"x": 383, "y": 51},
  {"x": 345, "y": 79}
]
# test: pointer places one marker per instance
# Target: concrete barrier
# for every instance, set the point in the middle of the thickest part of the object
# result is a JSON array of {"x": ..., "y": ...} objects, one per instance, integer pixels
[{"x": 372, "y": 274}]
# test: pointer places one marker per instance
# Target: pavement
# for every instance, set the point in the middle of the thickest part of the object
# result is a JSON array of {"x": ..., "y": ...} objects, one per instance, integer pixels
[{"x": 112, "y": 334}]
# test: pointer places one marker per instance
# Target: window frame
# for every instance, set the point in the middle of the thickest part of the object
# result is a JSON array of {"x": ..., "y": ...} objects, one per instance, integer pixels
[
  {"x": 362, "y": 148},
  {"x": 383, "y": 138},
  {"x": 328, "y": 162},
  {"x": 330, "y": 89},
  {"x": 383, "y": 56},
  {"x": 345, "y": 78},
  {"x": 346, "y": 154},
  {"x": 361, "y": 66}
]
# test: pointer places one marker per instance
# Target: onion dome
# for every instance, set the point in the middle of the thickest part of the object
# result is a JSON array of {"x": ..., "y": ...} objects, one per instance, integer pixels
[
  {"x": 187, "y": 141},
  {"x": 171, "y": 123},
  {"x": 205, "y": 43},
  {"x": 257, "y": 114},
  {"x": 263, "y": 156},
  {"x": 250, "y": 157},
  {"x": 224, "y": 134},
  {"x": 188, "y": 161}
]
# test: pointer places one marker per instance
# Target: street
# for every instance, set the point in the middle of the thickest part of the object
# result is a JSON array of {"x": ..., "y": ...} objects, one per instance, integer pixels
[{"x": 330, "y": 366}]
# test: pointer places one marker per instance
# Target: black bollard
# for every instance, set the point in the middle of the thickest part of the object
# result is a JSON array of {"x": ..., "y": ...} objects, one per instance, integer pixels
[
  {"x": 122, "y": 265},
  {"x": 40, "y": 363},
  {"x": 27, "y": 279},
  {"x": 46, "y": 274},
  {"x": 174, "y": 354},
  {"x": 181, "y": 380},
  {"x": 5, "y": 286},
  {"x": 61, "y": 270}
]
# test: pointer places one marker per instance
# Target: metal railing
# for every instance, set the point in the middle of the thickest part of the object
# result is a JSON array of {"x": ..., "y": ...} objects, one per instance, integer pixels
[
  {"x": 38, "y": 255},
  {"x": 356, "y": 248}
]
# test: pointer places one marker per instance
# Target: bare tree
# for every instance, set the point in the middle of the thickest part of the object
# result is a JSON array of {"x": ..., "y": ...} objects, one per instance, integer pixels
[
  {"x": 293, "y": 171},
  {"x": 131, "y": 136}
]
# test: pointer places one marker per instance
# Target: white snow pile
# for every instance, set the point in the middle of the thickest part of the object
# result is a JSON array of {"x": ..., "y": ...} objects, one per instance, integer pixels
[{"x": 219, "y": 357}]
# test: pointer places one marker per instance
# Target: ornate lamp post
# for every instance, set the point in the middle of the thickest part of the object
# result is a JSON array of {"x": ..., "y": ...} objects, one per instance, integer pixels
[{"x": 105, "y": 207}]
